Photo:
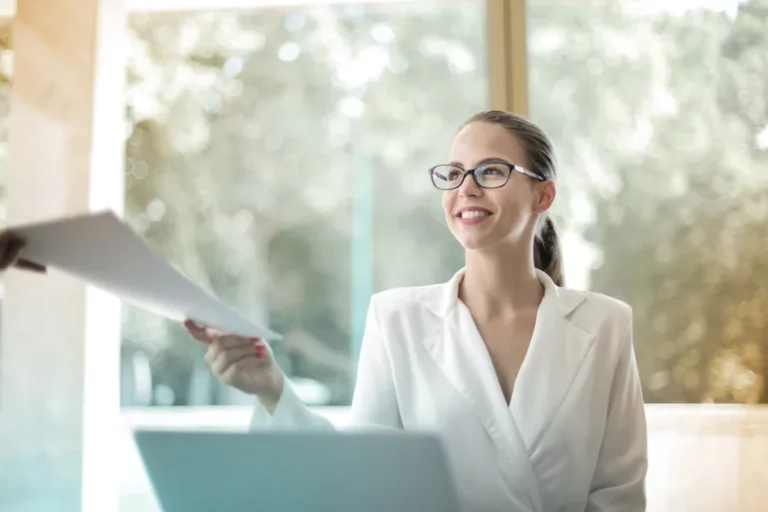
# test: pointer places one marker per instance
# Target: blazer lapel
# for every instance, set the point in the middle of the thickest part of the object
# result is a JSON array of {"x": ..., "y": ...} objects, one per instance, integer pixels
[
  {"x": 555, "y": 355},
  {"x": 557, "y": 352},
  {"x": 459, "y": 351}
]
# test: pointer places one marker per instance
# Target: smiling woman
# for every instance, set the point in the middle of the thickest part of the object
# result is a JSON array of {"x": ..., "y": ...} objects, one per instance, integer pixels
[
  {"x": 268, "y": 188},
  {"x": 520, "y": 377}
]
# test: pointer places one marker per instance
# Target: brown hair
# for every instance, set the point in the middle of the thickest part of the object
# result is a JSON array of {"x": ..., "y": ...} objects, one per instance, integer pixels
[{"x": 540, "y": 151}]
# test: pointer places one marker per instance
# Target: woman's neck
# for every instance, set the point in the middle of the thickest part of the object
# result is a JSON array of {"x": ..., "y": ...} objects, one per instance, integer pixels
[{"x": 500, "y": 281}]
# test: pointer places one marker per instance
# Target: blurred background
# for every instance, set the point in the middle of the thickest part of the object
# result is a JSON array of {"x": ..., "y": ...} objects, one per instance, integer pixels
[
  {"x": 277, "y": 151},
  {"x": 279, "y": 157}
]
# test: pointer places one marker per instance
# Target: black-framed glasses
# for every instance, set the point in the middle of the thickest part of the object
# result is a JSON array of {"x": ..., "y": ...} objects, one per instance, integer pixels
[{"x": 490, "y": 175}]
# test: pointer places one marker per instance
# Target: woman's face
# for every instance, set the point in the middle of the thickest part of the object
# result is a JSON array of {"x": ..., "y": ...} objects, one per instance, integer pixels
[{"x": 505, "y": 215}]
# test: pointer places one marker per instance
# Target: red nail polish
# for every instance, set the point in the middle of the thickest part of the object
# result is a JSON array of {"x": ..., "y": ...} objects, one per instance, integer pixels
[{"x": 259, "y": 354}]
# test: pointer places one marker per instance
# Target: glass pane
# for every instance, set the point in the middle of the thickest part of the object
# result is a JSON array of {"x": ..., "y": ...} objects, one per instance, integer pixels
[
  {"x": 279, "y": 157},
  {"x": 659, "y": 111}
]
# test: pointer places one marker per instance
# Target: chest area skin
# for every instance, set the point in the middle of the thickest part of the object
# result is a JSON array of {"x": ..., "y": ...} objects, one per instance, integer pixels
[{"x": 507, "y": 339}]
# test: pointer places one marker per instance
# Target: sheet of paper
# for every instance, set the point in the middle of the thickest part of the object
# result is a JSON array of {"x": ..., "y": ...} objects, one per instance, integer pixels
[{"x": 103, "y": 251}]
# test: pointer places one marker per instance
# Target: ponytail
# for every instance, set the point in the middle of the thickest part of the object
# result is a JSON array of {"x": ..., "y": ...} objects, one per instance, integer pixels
[{"x": 546, "y": 252}]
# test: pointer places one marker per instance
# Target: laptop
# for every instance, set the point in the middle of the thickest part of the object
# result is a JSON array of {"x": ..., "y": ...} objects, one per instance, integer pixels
[{"x": 298, "y": 471}]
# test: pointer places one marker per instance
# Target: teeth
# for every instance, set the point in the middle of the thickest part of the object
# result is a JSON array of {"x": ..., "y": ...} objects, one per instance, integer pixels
[{"x": 473, "y": 214}]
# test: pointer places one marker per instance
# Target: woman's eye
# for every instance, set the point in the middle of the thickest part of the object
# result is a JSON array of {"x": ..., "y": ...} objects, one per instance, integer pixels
[{"x": 492, "y": 170}]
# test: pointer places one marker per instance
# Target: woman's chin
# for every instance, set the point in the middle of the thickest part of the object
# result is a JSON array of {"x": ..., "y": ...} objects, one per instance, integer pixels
[{"x": 475, "y": 242}]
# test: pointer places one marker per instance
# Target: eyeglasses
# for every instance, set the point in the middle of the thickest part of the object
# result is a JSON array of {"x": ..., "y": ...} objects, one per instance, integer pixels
[{"x": 491, "y": 175}]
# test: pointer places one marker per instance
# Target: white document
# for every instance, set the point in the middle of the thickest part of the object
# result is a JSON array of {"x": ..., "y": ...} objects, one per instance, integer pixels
[{"x": 103, "y": 251}]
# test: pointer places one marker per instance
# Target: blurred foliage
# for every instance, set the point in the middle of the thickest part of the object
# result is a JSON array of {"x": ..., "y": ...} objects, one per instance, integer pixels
[
  {"x": 663, "y": 118},
  {"x": 248, "y": 131}
]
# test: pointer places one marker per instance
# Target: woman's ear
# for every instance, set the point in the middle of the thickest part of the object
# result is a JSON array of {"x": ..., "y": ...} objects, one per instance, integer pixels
[{"x": 546, "y": 192}]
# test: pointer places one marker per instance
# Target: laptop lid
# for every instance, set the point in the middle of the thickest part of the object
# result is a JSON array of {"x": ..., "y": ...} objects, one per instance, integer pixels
[{"x": 298, "y": 471}]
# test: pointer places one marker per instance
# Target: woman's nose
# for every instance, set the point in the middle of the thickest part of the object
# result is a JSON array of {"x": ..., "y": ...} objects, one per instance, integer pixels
[{"x": 469, "y": 188}]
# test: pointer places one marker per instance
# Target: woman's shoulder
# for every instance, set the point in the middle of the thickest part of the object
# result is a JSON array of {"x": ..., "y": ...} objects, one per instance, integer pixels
[
  {"x": 600, "y": 313},
  {"x": 606, "y": 304},
  {"x": 408, "y": 312},
  {"x": 403, "y": 299}
]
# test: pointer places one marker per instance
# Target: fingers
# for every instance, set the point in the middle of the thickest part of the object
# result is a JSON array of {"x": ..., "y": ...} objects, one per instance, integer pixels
[
  {"x": 220, "y": 361},
  {"x": 220, "y": 341},
  {"x": 231, "y": 341},
  {"x": 200, "y": 332},
  {"x": 5, "y": 236},
  {"x": 30, "y": 266},
  {"x": 225, "y": 354},
  {"x": 228, "y": 367},
  {"x": 235, "y": 344},
  {"x": 10, "y": 247}
]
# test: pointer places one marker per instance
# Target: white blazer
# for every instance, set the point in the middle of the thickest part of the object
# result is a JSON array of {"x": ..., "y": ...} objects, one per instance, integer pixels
[{"x": 573, "y": 437}]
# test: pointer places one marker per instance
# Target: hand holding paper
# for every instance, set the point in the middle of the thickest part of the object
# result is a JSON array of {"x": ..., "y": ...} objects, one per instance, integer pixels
[
  {"x": 103, "y": 251},
  {"x": 244, "y": 363},
  {"x": 10, "y": 247}
]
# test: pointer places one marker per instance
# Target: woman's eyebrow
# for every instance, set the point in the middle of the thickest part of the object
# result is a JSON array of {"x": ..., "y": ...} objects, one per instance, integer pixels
[{"x": 492, "y": 160}]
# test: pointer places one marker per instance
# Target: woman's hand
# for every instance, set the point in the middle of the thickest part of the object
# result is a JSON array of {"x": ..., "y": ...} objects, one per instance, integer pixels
[
  {"x": 244, "y": 363},
  {"x": 10, "y": 246}
]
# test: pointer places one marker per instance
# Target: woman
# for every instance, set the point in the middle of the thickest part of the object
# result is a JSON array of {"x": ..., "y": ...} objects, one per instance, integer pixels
[{"x": 533, "y": 387}]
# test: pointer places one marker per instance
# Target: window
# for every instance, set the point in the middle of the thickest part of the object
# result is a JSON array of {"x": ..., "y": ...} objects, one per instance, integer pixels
[
  {"x": 279, "y": 157},
  {"x": 659, "y": 113}
]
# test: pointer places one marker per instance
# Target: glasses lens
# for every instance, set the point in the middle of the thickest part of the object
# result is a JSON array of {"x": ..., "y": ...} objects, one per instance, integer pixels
[
  {"x": 446, "y": 177},
  {"x": 492, "y": 175}
]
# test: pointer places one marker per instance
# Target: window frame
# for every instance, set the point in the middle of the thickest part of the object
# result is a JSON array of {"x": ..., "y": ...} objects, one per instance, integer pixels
[{"x": 508, "y": 55}]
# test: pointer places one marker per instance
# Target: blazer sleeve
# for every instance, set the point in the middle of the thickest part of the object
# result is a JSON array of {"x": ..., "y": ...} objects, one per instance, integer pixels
[
  {"x": 374, "y": 403},
  {"x": 619, "y": 480}
]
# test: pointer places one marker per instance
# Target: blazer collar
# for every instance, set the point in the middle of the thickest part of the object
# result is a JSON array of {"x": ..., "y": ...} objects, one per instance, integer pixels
[
  {"x": 557, "y": 351},
  {"x": 446, "y": 295}
]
